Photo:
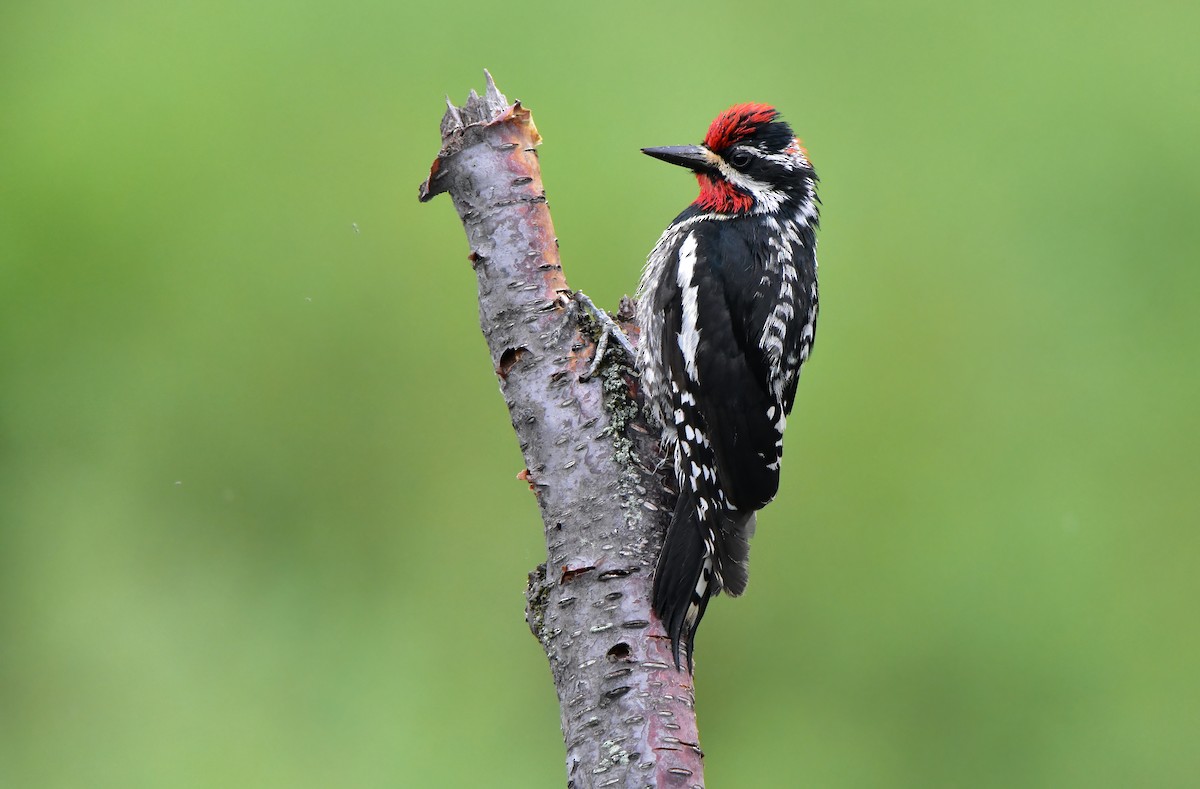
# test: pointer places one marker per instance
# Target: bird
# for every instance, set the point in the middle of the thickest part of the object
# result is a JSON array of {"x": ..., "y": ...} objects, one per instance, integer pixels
[{"x": 727, "y": 305}]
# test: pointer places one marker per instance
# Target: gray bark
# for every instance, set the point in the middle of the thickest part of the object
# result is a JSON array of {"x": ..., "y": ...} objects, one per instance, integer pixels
[{"x": 592, "y": 462}]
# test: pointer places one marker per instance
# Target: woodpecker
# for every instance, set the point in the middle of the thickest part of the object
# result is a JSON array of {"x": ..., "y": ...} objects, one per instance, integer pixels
[{"x": 728, "y": 313}]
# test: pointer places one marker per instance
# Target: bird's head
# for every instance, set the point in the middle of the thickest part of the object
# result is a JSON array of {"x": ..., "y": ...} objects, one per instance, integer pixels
[{"x": 750, "y": 162}]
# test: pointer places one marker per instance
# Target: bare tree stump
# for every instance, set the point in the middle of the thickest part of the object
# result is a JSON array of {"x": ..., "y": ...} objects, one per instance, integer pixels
[{"x": 592, "y": 460}]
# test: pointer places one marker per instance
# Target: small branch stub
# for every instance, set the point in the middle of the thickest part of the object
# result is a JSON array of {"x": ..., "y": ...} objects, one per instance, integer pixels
[{"x": 591, "y": 461}]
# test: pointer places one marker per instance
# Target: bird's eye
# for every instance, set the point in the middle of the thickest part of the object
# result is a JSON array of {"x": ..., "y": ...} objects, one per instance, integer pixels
[{"x": 739, "y": 159}]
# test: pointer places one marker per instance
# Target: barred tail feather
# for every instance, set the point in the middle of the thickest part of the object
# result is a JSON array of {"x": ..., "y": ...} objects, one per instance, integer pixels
[{"x": 692, "y": 569}]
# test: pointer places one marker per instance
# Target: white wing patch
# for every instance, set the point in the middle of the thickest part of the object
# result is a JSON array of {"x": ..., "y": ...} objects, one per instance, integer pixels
[{"x": 689, "y": 331}]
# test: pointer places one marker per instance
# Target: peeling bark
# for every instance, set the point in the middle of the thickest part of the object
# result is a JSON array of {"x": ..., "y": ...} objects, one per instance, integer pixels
[{"x": 592, "y": 461}]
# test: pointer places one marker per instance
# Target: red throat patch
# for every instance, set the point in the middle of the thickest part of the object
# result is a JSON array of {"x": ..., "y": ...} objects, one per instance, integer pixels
[
  {"x": 737, "y": 123},
  {"x": 717, "y": 194}
]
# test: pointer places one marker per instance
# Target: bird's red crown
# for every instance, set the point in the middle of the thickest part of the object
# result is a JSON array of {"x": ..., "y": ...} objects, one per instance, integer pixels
[{"x": 737, "y": 123}]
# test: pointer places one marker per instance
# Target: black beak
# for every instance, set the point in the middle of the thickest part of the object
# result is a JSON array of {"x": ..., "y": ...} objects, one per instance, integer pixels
[{"x": 693, "y": 157}]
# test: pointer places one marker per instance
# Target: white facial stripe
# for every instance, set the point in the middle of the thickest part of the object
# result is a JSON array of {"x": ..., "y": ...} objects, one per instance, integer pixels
[
  {"x": 766, "y": 199},
  {"x": 764, "y": 196}
]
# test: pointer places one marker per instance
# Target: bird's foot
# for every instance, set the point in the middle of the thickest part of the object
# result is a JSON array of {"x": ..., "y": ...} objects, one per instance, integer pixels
[{"x": 609, "y": 331}]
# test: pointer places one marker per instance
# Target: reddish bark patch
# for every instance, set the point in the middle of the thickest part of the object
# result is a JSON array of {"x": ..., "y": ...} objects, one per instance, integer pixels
[{"x": 525, "y": 476}]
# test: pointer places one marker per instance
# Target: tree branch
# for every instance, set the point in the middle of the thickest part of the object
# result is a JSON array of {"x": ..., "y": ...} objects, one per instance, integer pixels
[{"x": 592, "y": 461}]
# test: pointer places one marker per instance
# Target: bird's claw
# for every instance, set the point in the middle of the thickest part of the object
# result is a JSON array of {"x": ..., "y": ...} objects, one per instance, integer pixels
[{"x": 609, "y": 330}]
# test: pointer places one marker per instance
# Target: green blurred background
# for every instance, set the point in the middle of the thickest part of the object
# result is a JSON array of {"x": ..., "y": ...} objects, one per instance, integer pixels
[{"x": 258, "y": 521}]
